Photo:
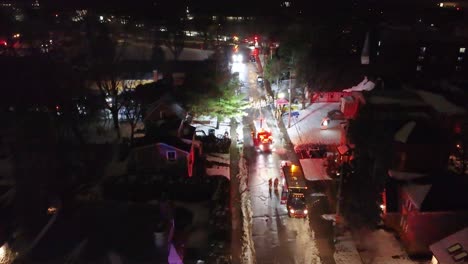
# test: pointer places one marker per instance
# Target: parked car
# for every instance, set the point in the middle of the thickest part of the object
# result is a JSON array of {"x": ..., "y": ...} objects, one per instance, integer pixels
[{"x": 333, "y": 119}]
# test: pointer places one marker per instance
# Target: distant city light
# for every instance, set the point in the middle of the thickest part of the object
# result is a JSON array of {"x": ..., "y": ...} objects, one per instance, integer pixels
[
  {"x": 441, "y": 4},
  {"x": 101, "y": 18}
]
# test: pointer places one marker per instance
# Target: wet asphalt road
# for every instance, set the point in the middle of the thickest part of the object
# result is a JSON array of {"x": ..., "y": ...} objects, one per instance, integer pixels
[{"x": 278, "y": 238}]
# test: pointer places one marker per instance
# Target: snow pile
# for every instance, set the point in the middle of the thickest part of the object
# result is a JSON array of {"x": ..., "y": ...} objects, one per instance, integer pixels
[
  {"x": 345, "y": 250},
  {"x": 248, "y": 249}
]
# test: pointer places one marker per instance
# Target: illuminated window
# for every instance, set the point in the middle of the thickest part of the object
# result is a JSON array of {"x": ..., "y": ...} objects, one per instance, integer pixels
[
  {"x": 460, "y": 256},
  {"x": 462, "y": 50},
  {"x": 459, "y": 58},
  {"x": 423, "y": 49},
  {"x": 420, "y": 58},
  {"x": 418, "y": 68},
  {"x": 171, "y": 155},
  {"x": 453, "y": 248}
]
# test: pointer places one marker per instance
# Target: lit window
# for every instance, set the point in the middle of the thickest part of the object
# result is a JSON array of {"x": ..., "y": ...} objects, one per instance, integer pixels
[
  {"x": 459, "y": 58},
  {"x": 453, "y": 248},
  {"x": 423, "y": 49},
  {"x": 420, "y": 58},
  {"x": 171, "y": 155},
  {"x": 379, "y": 43},
  {"x": 462, "y": 50},
  {"x": 460, "y": 256},
  {"x": 418, "y": 68}
]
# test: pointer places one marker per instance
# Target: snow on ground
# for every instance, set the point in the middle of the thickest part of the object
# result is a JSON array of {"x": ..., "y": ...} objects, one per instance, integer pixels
[
  {"x": 221, "y": 168},
  {"x": 218, "y": 171},
  {"x": 205, "y": 123},
  {"x": 381, "y": 247},
  {"x": 188, "y": 54},
  {"x": 219, "y": 158},
  {"x": 305, "y": 129},
  {"x": 345, "y": 250},
  {"x": 248, "y": 249}
]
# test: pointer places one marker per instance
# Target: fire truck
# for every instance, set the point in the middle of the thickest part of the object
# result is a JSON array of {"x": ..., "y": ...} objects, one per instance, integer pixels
[
  {"x": 294, "y": 189},
  {"x": 262, "y": 137}
]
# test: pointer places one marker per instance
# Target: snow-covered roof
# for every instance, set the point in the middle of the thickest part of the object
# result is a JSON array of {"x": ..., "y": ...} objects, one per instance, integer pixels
[
  {"x": 314, "y": 169},
  {"x": 404, "y": 132},
  {"x": 375, "y": 99},
  {"x": 364, "y": 85},
  {"x": 403, "y": 175},
  {"x": 440, "y": 103},
  {"x": 417, "y": 193},
  {"x": 440, "y": 249}
]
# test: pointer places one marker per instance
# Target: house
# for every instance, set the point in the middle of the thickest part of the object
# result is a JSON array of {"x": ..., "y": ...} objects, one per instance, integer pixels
[
  {"x": 422, "y": 200},
  {"x": 105, "y": 232},
  {"x": 411, "y": 136},
  {"x": 430, "y": 211},
  {"x": 127, "y": 75},
  {"x": 452, "y": 249},
  {"x": 171, "y": 154},
  {"x": 165, "y": 108}
]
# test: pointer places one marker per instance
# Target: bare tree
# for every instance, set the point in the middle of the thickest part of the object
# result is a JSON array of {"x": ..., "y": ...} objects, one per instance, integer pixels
[
  {"x": 132, "y": 109},
  {"x": 105, "y": 62}
]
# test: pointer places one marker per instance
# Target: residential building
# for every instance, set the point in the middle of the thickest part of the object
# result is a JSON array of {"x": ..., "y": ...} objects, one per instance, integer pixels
[
  {"x": 427, "y": 211},
  {"x": 170, "y": 155},
  {"x": 409, "y": 135},
  {"x": 452, "y": 249},
  {"x": 414, "y": 52}
]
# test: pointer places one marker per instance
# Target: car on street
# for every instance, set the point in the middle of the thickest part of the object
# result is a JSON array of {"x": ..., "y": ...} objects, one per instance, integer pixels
[{"x": 297, "y": 207}]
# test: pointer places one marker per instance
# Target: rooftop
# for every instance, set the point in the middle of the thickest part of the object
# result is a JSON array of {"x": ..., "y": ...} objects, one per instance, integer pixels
[{"x": 452, "y": 249}]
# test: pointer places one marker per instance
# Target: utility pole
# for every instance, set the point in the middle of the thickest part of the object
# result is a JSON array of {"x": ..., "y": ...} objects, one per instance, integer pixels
[{"x": 289, "y": 91}]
